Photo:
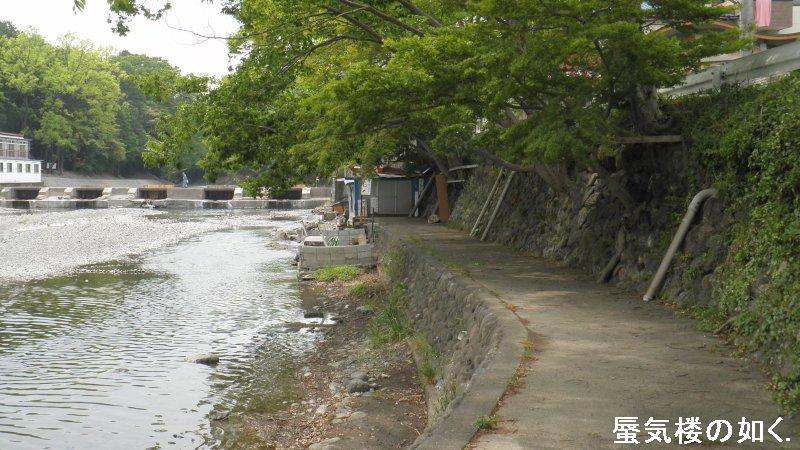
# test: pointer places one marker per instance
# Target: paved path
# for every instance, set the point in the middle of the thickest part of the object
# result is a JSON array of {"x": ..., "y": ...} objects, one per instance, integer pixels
[{"x": 601, "y": 353}]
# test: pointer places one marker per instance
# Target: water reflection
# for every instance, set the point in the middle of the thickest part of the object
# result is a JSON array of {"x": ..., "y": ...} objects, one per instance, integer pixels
[{"x": 98, "y": 357}]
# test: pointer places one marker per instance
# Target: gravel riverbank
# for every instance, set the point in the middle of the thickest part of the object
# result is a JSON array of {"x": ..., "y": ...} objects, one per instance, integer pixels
[
  {"x": 41, "y": 244},
  {"x": 351, "y": 395}
]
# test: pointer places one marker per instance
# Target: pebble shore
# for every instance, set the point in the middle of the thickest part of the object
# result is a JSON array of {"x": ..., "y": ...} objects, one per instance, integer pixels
[{"x": 41, "y": 244}]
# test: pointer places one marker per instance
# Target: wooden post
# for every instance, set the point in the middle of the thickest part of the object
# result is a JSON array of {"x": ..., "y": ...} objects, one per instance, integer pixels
[
  {"x": 486, "y": 203},
  {"x": 497, "y": 207},
  {"x": 441, "y": 194}
]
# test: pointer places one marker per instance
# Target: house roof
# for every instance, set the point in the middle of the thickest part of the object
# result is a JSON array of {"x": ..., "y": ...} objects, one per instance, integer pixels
[{"x": 11, "y": 135}]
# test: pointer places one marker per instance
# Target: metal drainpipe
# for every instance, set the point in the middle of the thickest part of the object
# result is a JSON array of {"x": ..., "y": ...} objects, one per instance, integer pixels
[{"x": 677, "y": 240}]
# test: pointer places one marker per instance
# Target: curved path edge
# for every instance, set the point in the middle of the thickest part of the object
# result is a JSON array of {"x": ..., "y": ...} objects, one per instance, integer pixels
[{"x": 489, "y": 380}]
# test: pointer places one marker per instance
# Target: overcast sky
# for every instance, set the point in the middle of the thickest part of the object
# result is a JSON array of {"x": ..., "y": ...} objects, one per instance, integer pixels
[{"x": 53, "y": 18}]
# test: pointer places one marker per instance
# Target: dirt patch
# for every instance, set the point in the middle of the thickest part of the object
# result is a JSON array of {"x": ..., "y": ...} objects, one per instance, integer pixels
[{"x": 390, "y": 414}]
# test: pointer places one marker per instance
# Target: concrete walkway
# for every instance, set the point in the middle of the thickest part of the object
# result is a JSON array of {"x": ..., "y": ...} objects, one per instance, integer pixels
[{"x": 601, "y": 353}]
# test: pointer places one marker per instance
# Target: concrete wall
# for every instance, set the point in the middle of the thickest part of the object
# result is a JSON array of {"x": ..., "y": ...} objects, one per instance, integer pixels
[
  {"x": 312, "y": 258},
  {"x": 198, "y": 193},
  {"x": 479, "y": 343},
  {"x": 346, "y": 237},
  {"x": 191, "y": 198}
]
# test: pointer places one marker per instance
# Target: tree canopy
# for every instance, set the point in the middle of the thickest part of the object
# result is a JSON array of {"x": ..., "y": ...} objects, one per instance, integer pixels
[
  {"x": 83, "y": 106},
  {"x": 522, "y": 84}
]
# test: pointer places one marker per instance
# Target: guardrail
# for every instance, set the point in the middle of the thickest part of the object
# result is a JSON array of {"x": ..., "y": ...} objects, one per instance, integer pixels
[{"x": 750, "y": 69}]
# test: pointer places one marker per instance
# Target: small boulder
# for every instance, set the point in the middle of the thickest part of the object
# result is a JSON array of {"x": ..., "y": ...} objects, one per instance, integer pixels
[
  {"x": 364, "y": 309},
  {"x": 357, "y": 386},
  {"x": 357, "y": 416},
  {"x": 359, "y": 375},
  {"x": 325, "y": 445},
  {"x": 208, "y": 359}
]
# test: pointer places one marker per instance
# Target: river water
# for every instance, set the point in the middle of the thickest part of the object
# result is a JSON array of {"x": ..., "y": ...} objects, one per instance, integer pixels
[{"x": 97, "y": 358}]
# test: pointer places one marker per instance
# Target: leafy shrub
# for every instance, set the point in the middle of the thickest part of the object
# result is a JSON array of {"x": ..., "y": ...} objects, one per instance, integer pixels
[{"x": 746, "y": 142}]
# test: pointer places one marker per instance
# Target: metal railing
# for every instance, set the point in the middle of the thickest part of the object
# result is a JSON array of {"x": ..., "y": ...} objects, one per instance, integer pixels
[{"x": 751, "y": 69}]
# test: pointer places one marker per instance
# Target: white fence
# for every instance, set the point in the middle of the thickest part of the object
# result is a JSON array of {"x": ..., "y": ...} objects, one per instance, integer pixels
[{"x": 750, "y": 69}]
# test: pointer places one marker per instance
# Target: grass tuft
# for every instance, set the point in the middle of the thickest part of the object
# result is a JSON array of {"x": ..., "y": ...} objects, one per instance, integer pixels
[
  {"x": 425, "y": 358},
  {"x": 337, "y": 273},
  {"x": 486, "y": 422},
  {"x": 358, "y": 290},
  {"x": 390, "y": 323}
]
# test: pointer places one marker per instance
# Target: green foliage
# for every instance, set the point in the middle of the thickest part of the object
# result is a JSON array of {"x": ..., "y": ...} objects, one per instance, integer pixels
[
  {"x": 337, "y": 273},
  {"x": 326, "y": 84},
  {"x": 486, "y": 423},
  {"x": 80, "y": 104},
  {"x": 747, "y": 140},
  {"x": 392, "y": 262},
  {"x": 358, "y": 290},
  {"x": 425, "y": 358},
  {"x": 125, "y": 10},
  {"x": 7, "y": 29},
  {"x": 390, "y": 323}
]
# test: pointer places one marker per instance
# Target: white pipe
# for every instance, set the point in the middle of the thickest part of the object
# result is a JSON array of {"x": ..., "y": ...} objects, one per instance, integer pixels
[{"x": 677, "y": 240}]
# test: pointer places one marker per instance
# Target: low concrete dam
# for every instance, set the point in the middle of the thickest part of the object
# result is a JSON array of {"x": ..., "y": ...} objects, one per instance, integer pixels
[
  {"x": 98, "y": 354},
  {"x": 157, "y": 196}
]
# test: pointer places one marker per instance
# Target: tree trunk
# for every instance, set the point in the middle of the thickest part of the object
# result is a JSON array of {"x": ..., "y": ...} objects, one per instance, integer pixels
[{"x": 649, "y": 119}]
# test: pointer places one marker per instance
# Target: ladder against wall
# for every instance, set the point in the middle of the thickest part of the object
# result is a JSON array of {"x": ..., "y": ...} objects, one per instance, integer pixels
[{"x": 493, "y": 201}]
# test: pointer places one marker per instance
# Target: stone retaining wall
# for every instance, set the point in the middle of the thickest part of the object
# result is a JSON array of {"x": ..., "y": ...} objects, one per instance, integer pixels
[
  {"x": 478, "y": 343},
  {"x": 584, "y": 225}
]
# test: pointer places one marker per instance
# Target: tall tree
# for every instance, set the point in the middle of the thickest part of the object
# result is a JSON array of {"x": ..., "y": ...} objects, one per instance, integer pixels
[
  {"x": 90, "y": 110},
  {"x": 523, "y": 85},
  {"x": 7, "y": 29}
]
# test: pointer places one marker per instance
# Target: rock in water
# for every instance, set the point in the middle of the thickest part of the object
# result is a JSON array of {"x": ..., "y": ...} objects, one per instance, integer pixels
[{"x": 208, "y": 359}]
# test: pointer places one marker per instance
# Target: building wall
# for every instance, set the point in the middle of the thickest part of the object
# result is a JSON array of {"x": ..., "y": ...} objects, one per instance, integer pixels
[{"x": 20, "y": 174}]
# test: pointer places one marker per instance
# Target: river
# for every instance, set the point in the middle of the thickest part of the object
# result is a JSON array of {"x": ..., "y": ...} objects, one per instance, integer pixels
[{"x": 97, "y": 358}]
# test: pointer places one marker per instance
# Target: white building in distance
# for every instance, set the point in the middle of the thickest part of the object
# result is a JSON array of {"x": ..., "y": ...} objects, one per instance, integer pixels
[{"x": 16, "y": 167}]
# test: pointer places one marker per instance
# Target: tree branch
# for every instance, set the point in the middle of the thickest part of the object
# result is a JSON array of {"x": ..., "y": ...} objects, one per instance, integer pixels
[
  {"x": 383, "y": 16},
  {"x": 317, "y": 46},
  {"x": 497, "y": 161},
  {"x": 441, "y": 164},
  {"x": 368, "y": 29},
  {"x": 432, "y": 21}
]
